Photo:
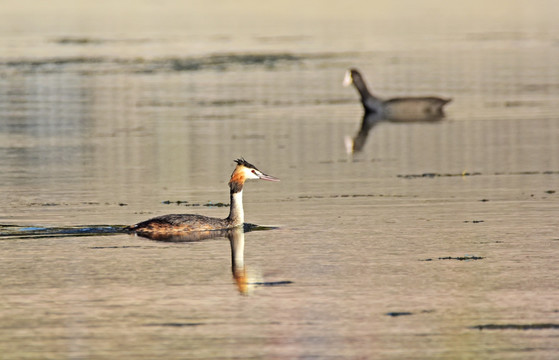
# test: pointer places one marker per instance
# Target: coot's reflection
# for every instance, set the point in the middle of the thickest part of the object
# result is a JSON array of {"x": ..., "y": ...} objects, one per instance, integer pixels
[
  {"x": 243, "y": 278},
  {"x": 400, "y": 110},
  {"x": 355, "y": 144},
  {"x": 371, "y": 119}
]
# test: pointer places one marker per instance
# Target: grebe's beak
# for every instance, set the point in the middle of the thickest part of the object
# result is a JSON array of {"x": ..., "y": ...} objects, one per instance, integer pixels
[
  {"x": 263, "y": 176},
  {"x": 347, "y": 79}
]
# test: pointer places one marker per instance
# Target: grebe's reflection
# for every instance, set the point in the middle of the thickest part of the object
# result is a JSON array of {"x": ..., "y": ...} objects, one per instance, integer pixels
[{"x": 243, "y": 278}]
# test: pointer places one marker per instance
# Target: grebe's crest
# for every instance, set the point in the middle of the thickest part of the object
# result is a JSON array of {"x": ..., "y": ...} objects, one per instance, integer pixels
[{"x": 245, "y": 163}]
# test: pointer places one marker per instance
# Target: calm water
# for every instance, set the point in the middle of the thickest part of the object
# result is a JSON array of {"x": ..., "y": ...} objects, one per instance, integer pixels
[{"x": 437, "y": 241}]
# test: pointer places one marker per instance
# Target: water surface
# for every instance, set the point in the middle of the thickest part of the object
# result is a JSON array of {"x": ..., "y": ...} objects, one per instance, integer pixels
[{"x": 436, "y": 241}]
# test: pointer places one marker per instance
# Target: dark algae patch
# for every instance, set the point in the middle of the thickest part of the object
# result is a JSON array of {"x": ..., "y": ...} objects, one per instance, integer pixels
[
  {"x": 273, "y": 283},
  {"x": 461, "y": 258},
  {"x": 186, "y": 203},
  {"x": 178, "y": 202},
  {"x": 543, "y": 326},
  {"x": 217, "y": 204},
  {"x": 406, "y": 313},
  {"x": 304, "y": 197},
  {"x": 398, "y": 313},
  {"x": 458, "y": 258},
  {"x": 434, "y": 175},
  {"x": 77, "y": 41},
  {"x": 438, "y": 175},
  {"x": 99, "y": 64},
  {"x": 223, "y": 61},
  {"x": 175, "y": 324}
]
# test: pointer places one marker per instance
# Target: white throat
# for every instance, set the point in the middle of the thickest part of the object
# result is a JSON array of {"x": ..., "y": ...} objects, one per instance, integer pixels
[{"x": 236, "y": 213}]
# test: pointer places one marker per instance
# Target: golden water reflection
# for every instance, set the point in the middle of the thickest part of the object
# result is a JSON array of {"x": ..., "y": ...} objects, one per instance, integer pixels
[{"x": 246, "y": 280}]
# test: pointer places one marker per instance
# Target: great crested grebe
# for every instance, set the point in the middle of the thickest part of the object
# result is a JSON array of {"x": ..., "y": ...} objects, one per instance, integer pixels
[
  {"x": 425, "y": 108},
  {"x": 182, "y": 223}
]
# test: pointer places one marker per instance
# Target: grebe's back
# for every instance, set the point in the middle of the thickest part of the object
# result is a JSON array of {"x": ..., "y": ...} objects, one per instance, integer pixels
[{"x": 177, "y": 223}]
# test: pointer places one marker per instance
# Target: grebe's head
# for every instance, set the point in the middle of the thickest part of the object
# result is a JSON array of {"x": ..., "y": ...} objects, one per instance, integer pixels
[
  {"x": 246, "y": 171},
  {"x": 250, "y": 171}
]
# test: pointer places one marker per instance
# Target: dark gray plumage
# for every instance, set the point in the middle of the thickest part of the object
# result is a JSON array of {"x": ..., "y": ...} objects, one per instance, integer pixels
[{"x": 400, "y": 109}]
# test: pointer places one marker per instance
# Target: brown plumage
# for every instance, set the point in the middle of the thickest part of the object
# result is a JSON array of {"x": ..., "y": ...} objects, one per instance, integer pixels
[{"x": 175, "y": 224}]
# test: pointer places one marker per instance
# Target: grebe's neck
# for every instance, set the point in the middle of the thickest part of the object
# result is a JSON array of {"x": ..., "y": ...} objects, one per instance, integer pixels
[{"x": 236, "y": 214}]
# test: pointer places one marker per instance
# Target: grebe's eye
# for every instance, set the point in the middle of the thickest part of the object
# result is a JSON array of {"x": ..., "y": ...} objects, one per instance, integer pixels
[{"x": 254, "y": 172}]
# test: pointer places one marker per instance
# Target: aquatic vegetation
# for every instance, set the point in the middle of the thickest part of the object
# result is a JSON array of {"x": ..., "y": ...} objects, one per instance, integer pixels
[{"x": 516, "y": 326}]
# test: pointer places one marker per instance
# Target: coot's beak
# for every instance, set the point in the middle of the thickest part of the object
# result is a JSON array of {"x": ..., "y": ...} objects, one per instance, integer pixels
[
  {"x": 347, "y": 79},
  {"x": 348, "y": 142}
]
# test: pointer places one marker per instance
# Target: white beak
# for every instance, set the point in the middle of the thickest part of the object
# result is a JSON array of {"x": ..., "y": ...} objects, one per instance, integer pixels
[
  {"x": 347, "y": 79},
  {"x": 348, "y": 142}
]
